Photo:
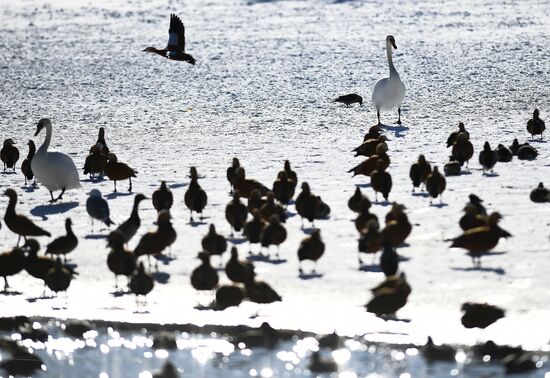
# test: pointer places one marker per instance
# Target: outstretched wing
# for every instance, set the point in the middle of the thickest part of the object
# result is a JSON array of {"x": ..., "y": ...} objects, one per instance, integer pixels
[{"x": 176, "y": 34}]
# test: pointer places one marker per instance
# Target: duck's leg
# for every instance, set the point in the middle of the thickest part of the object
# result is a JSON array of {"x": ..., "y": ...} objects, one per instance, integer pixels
[
  {"x": 130, "y": 187},
  {"x": 6, "y": 284},
  {"x": 18, "y": 240},
  {"x": 115, "y": 185},
  {"x": 300, "y": 270},
  {"x": 399, "y": 119}
]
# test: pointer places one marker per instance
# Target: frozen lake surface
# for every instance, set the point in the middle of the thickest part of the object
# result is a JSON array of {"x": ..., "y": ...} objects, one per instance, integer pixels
[{"x": 261, "y": 91}]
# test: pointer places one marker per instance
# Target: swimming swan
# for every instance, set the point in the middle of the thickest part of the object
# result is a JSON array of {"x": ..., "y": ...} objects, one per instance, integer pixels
[
  {"x": 389, "y": 91},
  {"x": 54, "y": 170}
]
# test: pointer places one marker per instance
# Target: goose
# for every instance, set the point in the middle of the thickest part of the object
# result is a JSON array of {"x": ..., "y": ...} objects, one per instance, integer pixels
[
  {"x": 9, "y": 154},
  {"x": 480, "y": 315},
  {"x": 175, "y": 50},
  {"x": 253, "y": 229},
  {"x": 237, "y": 270},
  {"x": 435, "y": 184},
  {"x": 98, "y": 208},
  {"x": 398, "y": 227},
  {"x": 20, "y": 224},
  {"x": 368, "y": 166},
  {"x": 311, "y": 248},
  {"x": 117, "y": 171},
  {"x": 364, "y": 216},
  {"x": 162, "y": 197},
  {"x": 349, "y": 99},
  {"x": 130, "y": 226},
  {"x": 536, "y": 125},
  {"x": 420, "y": 171},
  {"x": 356, "y": 200},
  {"x": 231, "y": 173},
  {"x": 64, "y": 244},
  {"x": 54, "y": 170},
  {"x": 38, "y": 266},
  {"x": 389, "y": 91},
  {"x": 228, "y": 296},
  {"x": 195, "y": 196},
  {"x": 246, "y": 186},
  {"x": 26, "y": 165},
  {"x": 368, "y": 147}
]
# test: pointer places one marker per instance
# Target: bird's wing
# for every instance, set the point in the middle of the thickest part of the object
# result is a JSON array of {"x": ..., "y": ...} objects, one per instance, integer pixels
[{"x": 176, "y": 34}]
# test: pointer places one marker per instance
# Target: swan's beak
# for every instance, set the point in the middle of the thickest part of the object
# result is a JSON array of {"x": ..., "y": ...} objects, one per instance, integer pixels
[{"x": 394, "y": 45}]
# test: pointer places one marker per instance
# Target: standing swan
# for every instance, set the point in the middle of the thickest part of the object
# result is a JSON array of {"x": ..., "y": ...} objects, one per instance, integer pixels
[
  {"x": 389, "y": 91},
  {"x": 54, "y": 170}
]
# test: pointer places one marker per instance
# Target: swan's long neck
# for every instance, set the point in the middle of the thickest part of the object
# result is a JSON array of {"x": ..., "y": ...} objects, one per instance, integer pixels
[
  {"x": 47, "y": 140},
  {"x": 393, "y": 71}
]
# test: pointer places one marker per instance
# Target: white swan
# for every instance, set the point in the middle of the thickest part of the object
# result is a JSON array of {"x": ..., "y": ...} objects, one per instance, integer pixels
[
  {"x": 389, "y": 91},
  {"x": 54, "y": 170}
]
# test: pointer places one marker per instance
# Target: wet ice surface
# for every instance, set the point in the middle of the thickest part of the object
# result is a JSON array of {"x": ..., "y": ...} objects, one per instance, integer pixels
[
  {"x": 106, "y": 352},
  {"x": 261, "y": 91}
]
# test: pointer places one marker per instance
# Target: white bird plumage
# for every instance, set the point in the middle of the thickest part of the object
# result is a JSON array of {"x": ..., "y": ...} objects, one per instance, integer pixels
[
  {"x": 389, "y": 91},
  {"x": 54, "y": 170}
]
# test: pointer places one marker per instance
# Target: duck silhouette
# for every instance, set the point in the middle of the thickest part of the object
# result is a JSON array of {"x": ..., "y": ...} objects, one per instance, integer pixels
[
  {"x": 259, "y": 291},
  {"x": 26, "y": 165},
  {"x": 11, "y": 263},
  {"x": 284, "y": 188},
  {"x": 370, "y": 240},
  {"x": 153, "y": 243},
  {"x": 162, "y": 197},
  {"x": 59, "y": 277},
  {"x": 238, "y": 270},
  {"x": 311, "y": 248},
  {"x": 273, "y": 233},
  {"x": 270, "y": 207},
  {"x": 420, "y": 171},
  {"x": 9, "y": 154},
  {"x": 540, "y": 194},
  {"x": 231, "y": 173},
  {"x": 488, "y": 158},
  {"x": 195, "y": 197},
  {"x": 117, "y": 171},
  {"x": 504, "y": 154},
  {"x": 463, "y": 149},
  {"x": 435, "y": 184},
  {"x": 253, "y": 229},
  {"x": 246, "y": 186},
  {"x": 536, "y": 126},
  {"x": 214, "y": 243},
  {"x": 129, "y": 227},
  {"x": 175, "y": 50},
  {"x": 390, "y": 296},
  {"x": 120, "y": 261},
  {"x": 228, "y": 296},
  {"x": 381, "y": 181},
  {"x": 452, "y": 137},
  {"x": 355, "y": 202},
  {"x": 480, "y": 315},
  {"x": 349, "y": 99},
  {"x": 65, "y": 244},
  {"x": 306, "y": 204},
  {"x": 98, "y": 208},
  {"x": 236, "y": 213},
  {"x": 204, "y": 277},
  {"x": 20, "y": 224},
  {"x": 141, "y": 283}
]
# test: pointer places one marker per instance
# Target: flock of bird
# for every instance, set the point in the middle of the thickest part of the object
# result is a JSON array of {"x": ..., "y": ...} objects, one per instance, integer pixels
[{"x": 261, "y": 220}]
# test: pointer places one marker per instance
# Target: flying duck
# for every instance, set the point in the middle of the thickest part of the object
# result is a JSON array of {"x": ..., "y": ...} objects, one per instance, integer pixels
[
  {"x": 117, "y": 171},
  {"x": 236, "y": 213},
  {"x": 195, "y": 197},
  {"x": 26, "y": 165},
  {"x": 311, "y": 248},
  {"x": 349, "y": 99},
  {"x": 536, "y": 125},
  {"x": 63, "y": 244},
  {"x": 420, "y": 171},
  {"x": 98, "y": 208},
  {"x": 9, "y": 154},
  {"x": 20, "y": 224},
  {"x": 175, "y": 50},
  {"x": 162, "y": 197}
]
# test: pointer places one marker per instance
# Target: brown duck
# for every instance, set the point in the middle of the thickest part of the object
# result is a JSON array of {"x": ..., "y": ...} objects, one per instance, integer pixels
[
  {"x": 117, "y": 171},
  {"x": 420, "y": 171},
  {"x": 154, "y": 242},
  {"x": 64, "y": 245},
  {"x": 389, "y": 296},
  {"x": 368, "y": 147},
  {"x": 540, "y": 194},
  {"x": 284, "y": 188},
  {"x": 96, "y": 162},
  {"x": 452, "y": 167},
  {"x": 120, "y": 261},
  {"x": 231, "y": 173},
  {"x": 141, "y": 282},
  {"x": 214, "y": 243},
  {"x": 9, "y": 154},
  {"x": 452, "y": 137},
  {"x": 238, "y": 270},
  {"x": 463, "y": 149},
  {"x": 349, "y": 99},
  {"x": 162, "y": 197},
  {"x": 59, "y": 277},
  {"x": 100, "y": 143},
  {"x": 381, "y": 180},
  {"x": 236, "y": 213},
  {"x": 204, "y": 277},
  {"x": 253, "y": 229},
  {"x": 175, "y": 50},
  {"x": 130, "y": 226},
  {"x": 228, "y": 296},
  {"x": 366, "y": 167},
  {"x": 472, "y": 218},
  {"x": 480, "y": 315},
  {"x": 195, "y": 197},
  {"x": 246, "y": 186},
  {"x": 273, "y": 233},
  {"x": 536, "y": 126},
  {"x": 289, "y": 172},
  {"x": 527, "y": 152},
  {"x": 270, "y": 207},
  {"x": 11, "y": 263},
  {"x": 311, "y": 248},
  {"x": 26, "y": 165},
  {"x": 365, "y": 216},
  {"x": 504, "y": 154},
  {"x": 370, "y": 240},
  {"x": 373, "y": 133},
  {"x": 20, "y": 224},
  {"x": 481, "y": 239},
  {"x": 255, "y": 201},
  {"x": 355, "y": 202},
  {"x": 435, "y": 184},
  {"x": 398, "y": 228},
  {"x": 306, "y": 204},
  {"x": 260, "y": 292}
]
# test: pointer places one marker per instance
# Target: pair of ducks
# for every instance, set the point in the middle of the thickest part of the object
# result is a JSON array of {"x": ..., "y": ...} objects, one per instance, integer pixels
[{"x": 421, "y": 173}]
